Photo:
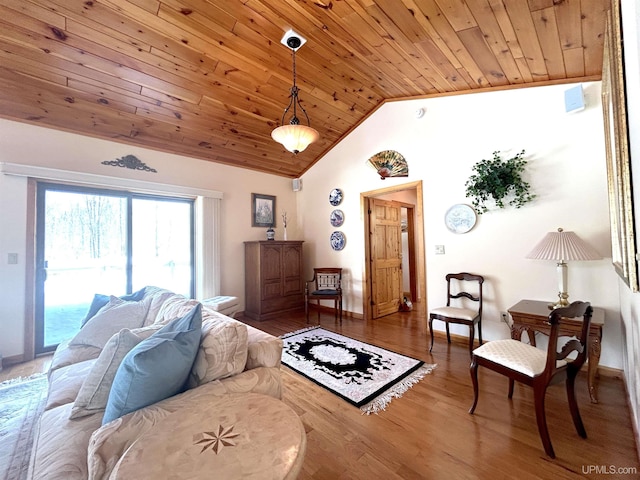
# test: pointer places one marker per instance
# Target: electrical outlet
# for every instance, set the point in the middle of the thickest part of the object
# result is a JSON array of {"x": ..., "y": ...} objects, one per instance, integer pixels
[
  {"x": 504, "y": 317},
  {"x": 439, "y": 249}
]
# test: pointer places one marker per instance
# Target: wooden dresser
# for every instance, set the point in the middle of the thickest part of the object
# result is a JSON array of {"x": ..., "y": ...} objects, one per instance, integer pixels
[{"x": 273, "y": 278}]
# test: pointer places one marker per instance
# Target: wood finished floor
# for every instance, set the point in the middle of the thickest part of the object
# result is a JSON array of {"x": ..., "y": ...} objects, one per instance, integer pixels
[{"x": 428, "y": 434}]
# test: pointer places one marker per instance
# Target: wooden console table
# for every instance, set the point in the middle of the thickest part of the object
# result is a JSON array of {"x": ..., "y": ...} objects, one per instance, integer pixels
[{"x": 531, "y": 315}]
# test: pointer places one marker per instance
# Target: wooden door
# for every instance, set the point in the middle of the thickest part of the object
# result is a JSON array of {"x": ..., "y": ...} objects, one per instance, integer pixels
[{"x": 386, "y": 256}]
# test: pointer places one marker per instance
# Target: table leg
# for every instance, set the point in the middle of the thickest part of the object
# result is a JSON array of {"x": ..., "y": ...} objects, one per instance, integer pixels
[
  {"x": 516, "y": 331},
  {"x": 532, "y": 336},
  {"x": 594, "y": 361}
]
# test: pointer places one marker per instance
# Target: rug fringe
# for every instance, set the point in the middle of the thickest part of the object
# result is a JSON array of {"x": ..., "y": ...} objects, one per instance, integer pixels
[
  {"x": 381, "y": 402},
  {"x": 15, "y": 380},
  {"x": 302, "y": 330}
]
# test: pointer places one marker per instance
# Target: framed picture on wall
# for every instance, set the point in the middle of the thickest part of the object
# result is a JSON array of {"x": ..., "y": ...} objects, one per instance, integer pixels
[
  {"x": 623, "y": 243},
  {"x": 263, "y": 208}
]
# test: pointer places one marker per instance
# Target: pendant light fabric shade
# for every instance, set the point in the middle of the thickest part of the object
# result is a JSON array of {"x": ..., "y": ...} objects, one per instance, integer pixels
[
  {"x": 563, "y": 245},
  {"x": 295, "y": 138}
]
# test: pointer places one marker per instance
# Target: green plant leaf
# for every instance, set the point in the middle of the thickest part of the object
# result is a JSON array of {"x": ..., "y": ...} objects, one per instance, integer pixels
[{"x": 500, "y": 180}]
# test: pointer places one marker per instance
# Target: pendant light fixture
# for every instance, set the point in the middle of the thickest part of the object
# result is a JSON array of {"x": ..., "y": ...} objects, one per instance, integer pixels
[{"x": 293, "y": 136}]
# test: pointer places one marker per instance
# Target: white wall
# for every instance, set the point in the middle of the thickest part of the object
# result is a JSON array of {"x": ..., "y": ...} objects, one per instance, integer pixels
[
  {"x": 566, "y": 170},
  {"x": 630, "y": 302},
  {"x": 31, "y": 145}
]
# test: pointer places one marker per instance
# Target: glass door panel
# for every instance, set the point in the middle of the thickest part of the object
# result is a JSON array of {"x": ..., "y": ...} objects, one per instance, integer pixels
[
  {"x": 82, "y": 240},
  {"x": 163, "y": 244}
]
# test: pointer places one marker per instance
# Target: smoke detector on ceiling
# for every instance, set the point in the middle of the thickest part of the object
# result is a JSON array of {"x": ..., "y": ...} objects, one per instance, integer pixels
[{"x": 293, "y": 40}]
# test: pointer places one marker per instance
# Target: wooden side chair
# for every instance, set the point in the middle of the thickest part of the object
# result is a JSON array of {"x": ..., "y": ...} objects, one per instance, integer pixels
[
  {"x": 463, "y": 290},
  {"x": 539, "y": 369},
  {"x": 326, "y": 284}
]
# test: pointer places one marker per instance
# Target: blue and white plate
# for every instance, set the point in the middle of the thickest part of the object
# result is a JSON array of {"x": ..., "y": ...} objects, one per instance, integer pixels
[
  {"x": 337, "y": 218},
  {"x": 460, "y": 218},
  {"x": 335, "y": 197},
  {"x": 338, "y": 240}
]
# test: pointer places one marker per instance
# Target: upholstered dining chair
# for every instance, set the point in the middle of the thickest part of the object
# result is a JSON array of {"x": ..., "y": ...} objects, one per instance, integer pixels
[
  {"x": 539, "y": 369},
  {"x": 326, "y": 284},
  {"x": 464, "y": 305}
]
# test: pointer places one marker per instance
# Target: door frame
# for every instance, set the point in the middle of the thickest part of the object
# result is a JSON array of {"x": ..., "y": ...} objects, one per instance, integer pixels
[{"x": 418, "y": 267}]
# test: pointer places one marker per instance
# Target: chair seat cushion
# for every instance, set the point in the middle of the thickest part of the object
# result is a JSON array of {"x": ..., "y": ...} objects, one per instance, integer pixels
[
  {"x": 325, "y": 291},
  {"x": 516, "y": 355},
  {"x": 221, "y": 302},
  {"x": 455, "y": 312}
]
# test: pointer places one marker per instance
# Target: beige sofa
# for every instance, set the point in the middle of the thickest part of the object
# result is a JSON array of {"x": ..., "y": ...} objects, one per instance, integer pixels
[{"x": 233, "y": 358}]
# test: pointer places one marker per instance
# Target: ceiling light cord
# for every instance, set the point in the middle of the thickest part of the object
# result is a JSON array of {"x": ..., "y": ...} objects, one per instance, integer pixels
[{"x": 295, "y": 102}]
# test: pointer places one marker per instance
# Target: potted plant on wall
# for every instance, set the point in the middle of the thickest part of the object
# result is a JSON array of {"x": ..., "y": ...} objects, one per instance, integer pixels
[{"x": 499, "y": 180}]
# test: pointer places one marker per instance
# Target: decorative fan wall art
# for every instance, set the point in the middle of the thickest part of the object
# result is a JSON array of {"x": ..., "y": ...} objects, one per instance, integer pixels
[{"x": 389, "y": 163}]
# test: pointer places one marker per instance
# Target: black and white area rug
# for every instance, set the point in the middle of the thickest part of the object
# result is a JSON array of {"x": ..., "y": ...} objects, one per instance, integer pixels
[{"x": 364, "y": 375}]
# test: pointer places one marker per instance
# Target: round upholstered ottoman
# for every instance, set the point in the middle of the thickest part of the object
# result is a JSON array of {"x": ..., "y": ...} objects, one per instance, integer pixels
[{"x": 232, "y": 436}]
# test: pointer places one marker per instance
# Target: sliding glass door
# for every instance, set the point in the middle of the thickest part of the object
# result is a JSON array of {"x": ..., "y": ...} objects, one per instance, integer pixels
[
  {"x": 162, "y": 244},
  {"x": 102, "y": 241}
]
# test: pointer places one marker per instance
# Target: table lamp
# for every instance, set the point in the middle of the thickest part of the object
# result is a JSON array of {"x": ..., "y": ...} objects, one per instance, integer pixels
[{"x": 561, "y": 246}]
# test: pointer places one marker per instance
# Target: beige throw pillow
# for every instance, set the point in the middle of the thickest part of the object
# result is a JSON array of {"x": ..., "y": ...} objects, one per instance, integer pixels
[
  {"x": 110, "y": 319},
  {"x": 94, "y": 392},
  {"x": 174, "y": 307},
  {"x": 222, "y": 352}
]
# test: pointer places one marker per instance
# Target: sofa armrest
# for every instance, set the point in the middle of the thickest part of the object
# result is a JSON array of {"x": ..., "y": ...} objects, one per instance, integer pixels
[
  {"x": 111, "y": 441},
  {"x": 264, "y": 349}
]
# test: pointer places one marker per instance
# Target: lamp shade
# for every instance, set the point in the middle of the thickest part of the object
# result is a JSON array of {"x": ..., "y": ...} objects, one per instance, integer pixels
[
  {"x": 295, "y": 138},
  {"x": 563, "y": 245}
]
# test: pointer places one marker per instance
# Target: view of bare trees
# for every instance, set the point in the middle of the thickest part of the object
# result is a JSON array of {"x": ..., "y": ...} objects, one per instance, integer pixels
[{"x": 84, "y": 227}]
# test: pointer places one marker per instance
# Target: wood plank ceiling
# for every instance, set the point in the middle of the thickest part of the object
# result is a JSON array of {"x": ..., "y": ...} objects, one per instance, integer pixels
[{"x": 210, "y": 79}]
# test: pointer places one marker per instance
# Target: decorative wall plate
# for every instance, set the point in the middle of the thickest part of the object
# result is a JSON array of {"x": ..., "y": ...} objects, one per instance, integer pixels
[
  {"x": 338, "y": 240},
  {"x": 460, "y": 218},
  {"x": 335, "y": 197},
  {"x": 389, "y": 163},
  {"x": 337, "y": 218}
]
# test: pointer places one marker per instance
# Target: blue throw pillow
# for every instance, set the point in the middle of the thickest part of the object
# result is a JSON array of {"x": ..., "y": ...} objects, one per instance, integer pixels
[
  {"x": 156, "y": 368},
  {"x": 100, "y": 301}
]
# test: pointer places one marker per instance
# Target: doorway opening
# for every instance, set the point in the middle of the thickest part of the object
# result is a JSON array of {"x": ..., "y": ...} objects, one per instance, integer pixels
[{"x": 384, "y": 279}]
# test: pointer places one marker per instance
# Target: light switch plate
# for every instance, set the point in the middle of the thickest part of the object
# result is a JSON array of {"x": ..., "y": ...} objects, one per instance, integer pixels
[
  {"x": 439, "y": 249},
  {"x": 12, "y": 258}
]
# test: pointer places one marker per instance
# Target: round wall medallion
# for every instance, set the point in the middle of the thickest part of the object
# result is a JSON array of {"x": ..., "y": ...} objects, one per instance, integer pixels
[
  {"x": 338, "y": 240},
  {"x": 335, "y": 197},
  {"x": 460, "y": 218},
  {"x": 337, "y": 218}
]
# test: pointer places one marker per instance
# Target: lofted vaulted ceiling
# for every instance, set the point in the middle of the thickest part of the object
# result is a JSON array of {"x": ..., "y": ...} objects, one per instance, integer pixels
[{"x": 210, "y": 79}]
